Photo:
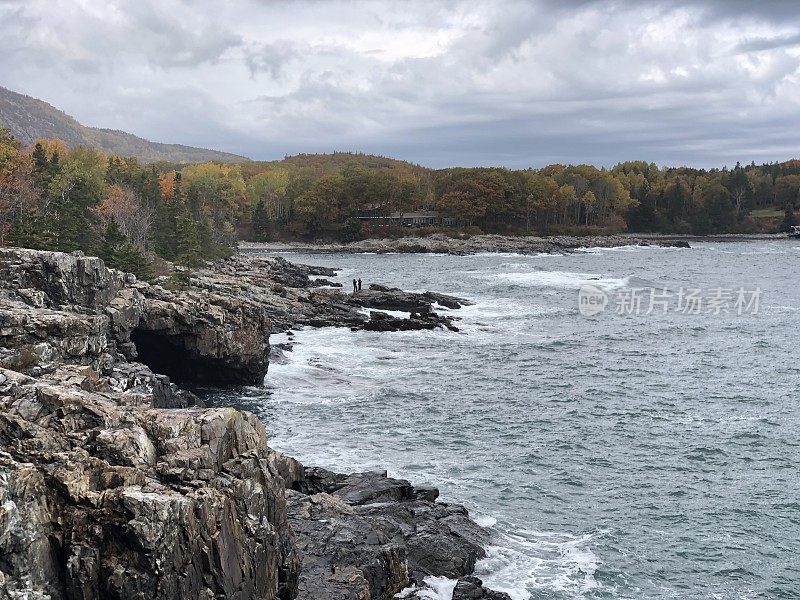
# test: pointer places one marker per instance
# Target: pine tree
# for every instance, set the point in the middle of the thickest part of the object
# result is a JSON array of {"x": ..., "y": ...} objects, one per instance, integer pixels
[
  {"x": 789, "y": 218},
  {"x": 190, "y": 241},
  {"x": 112, "y": 239},
  {"x": 177, "y": 195},
  {"x": 74, "y": 222},
  {"x": 114, "y": 171},
  {"x": 189, "y": 247},
  {"x": 55, "y": 163},
  {"x": 41, "y": 170},
  {"x": 166, "y": 226},
  {"x": 129, "y": 258},
  {"x": 260, "y": 222}
]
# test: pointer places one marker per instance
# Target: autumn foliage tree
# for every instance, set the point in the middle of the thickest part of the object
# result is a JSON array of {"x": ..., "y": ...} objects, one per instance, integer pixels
[{"x": 62, "y": 198}]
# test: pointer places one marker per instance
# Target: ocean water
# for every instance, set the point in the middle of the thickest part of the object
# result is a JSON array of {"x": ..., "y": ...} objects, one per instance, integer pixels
[{"x": 613, "y": 456}]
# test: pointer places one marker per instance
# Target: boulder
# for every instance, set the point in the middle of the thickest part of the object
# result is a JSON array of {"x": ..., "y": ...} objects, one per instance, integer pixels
[
  {"x": 369, "y": 535},
  {"x": 380, "y": 321},
  {"x": 471, "y": 588}
]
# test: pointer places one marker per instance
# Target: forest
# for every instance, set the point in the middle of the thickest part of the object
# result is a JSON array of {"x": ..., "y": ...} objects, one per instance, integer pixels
[{"x": 134, "y": 215}]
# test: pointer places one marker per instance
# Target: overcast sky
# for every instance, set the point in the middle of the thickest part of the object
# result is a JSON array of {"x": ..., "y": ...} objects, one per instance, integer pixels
[{"x": 438, "y": 83}]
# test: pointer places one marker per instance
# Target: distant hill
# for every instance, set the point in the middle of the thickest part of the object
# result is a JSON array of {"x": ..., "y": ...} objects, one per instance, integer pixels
[
  {"x": 336, "y": 162},
  {"x": 29, "y": 119}
]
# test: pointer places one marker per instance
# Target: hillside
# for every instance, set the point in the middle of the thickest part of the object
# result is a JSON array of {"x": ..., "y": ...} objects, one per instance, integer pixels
[
  {"x": 322, "y": 165},
  {"x": 29, "y": 119}
]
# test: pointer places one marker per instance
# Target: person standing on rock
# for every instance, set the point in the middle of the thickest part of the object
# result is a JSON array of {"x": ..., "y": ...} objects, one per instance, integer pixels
[
  {"x": 359, "y": 284},
  {"x": 355, "y": 286}
]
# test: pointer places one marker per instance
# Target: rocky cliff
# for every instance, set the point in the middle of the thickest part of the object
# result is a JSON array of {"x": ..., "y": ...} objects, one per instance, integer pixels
[
  {"x": 59, "y": 308},
  {"x": 105, "y": 496},
  {"x": 115, "y": 483}
]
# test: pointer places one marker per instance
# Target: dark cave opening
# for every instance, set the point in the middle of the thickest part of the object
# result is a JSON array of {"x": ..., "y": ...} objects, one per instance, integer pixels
[{"x": 165, "y": 356}]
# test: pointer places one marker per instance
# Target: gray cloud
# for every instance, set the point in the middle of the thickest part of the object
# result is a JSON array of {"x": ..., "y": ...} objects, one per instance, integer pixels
[
  {"x": 270, "y": 58},
  {"x": 769, "y": 43},
  {"x": 513, "y": 83}
]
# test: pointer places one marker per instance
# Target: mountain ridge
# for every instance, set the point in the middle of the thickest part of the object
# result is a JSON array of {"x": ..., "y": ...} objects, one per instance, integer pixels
[{"x": 30, "y": 118}]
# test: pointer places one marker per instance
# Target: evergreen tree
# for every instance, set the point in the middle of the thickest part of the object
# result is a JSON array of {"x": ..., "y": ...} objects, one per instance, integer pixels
[
  {"x": 789, "y": 218},
  {"x": 129, "y": 258},
  {"x": 112, "y": 239},
  {"x": 73, "y": 221},
  {"x": 177, "y": 195},
  {"x": 152, "y": 192},
  {"x": 55, "y": 163},
  {"x": 166, "y": 226},
  {"x": 260, "y": 222},
  {"x": 190, "y": 241},
  {"x": 189, "y": 248},
  {"x": 41, "y": 167}
]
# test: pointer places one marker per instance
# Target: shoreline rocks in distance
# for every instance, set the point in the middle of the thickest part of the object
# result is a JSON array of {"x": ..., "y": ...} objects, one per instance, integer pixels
[{"x": 476, "y": 244}]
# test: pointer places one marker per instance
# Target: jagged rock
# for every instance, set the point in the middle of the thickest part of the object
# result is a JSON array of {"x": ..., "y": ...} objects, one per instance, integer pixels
[
  {"x": 201, "y": 337},
  {"x": 327, "y": 282},
  {"x": 103, "y": 496},
  {"x": 376, "y": 530},
  {"x": 345, "y": 555},
  {"x": 380, "y": 321},
  {"x": 471, "y": 588},
  {"x": 57, "y": 307}
]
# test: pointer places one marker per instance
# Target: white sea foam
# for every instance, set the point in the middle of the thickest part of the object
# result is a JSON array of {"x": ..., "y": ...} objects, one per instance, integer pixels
[
  {"x": 626, "y": 248},
  {"x": 484, "y": 520},
  {"x": 436, "y": 588},
  {"x": 523, "y": 561},
  {"x": 400, "y": 314},
  {"x": 563, "y": 279},
  {"x": 501, "y": 317},
  {"x": 328, "y": 362}
]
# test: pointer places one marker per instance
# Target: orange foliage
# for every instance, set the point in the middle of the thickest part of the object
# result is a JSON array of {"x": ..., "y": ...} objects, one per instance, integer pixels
[
  {"x": 50, "y": 146},
  {"x": 166, "y": 181}
]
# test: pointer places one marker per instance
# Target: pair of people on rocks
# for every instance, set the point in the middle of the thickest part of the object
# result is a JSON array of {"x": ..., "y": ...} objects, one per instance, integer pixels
[{"x": 356, "y": 285}]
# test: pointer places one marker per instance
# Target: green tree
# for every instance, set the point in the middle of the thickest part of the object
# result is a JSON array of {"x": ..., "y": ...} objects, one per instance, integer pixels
[
  {"x": 166, "y": 225},
  {"x": 190, "y": 242},
  {"x": 261, "y": 222},
  {"x": 127, "y": 257},
  {"x": 112, "y": 239},
  {"x": 539, "y": 189},
  {"x": 789, "y": 218},
  {"x": 719, "y": 211}
]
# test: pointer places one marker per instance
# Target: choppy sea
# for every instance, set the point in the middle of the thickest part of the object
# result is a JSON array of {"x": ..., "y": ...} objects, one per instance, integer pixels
[{"x": 646, "y": 451}]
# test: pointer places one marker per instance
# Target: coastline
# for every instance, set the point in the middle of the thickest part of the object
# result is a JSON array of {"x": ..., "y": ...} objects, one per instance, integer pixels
[
  {"x": 477, "y": 244},
  {"x": 121, "y": 482}
]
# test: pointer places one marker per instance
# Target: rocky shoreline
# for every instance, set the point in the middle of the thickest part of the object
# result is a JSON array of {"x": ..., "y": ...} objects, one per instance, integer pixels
[
  {"x": 478, "y": 244},
  {"x": 115, "y": 482}
]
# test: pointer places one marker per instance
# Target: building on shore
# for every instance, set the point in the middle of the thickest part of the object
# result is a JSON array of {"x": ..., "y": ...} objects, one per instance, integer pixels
[{"x": 416, "y": 218}]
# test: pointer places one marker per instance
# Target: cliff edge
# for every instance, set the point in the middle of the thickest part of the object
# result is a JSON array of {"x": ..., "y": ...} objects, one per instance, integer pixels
[{"x": 116, "y": 483}]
